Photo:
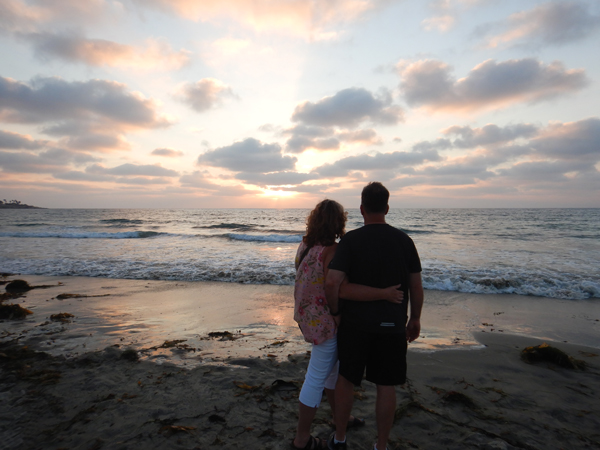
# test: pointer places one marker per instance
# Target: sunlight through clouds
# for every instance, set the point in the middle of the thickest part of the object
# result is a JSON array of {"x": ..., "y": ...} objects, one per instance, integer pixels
[{"x": 266, "y": 102}]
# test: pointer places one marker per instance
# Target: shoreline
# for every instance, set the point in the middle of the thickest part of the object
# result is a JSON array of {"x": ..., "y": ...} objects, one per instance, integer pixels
[
  {"x": 62, "y": 388},
  {"x": 145, "y": 314}
]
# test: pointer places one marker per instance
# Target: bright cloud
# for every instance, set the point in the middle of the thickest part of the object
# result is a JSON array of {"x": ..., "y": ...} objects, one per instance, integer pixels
[{"x": 309, "y": 18}]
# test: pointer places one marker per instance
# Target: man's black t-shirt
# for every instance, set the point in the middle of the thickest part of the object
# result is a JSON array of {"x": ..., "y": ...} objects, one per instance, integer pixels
[{"x": 376, "y": 255}]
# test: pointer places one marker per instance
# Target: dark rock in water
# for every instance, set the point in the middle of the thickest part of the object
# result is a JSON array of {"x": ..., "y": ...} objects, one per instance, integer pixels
[{"x": 18, "y": 286}]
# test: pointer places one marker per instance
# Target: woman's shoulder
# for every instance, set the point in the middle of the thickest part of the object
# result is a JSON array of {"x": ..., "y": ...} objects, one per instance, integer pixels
[{"x": 329, "y": 251}]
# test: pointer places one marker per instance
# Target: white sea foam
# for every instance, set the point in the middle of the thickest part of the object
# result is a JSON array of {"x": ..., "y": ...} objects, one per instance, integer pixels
[
  {"x": 478, "y": 251},
  {"x": 82, "y": 235},
  {"x": 266, "y": 237}
]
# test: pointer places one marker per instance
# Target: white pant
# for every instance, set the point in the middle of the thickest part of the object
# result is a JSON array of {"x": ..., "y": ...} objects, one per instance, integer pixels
[{"x": 322, "y": 372}]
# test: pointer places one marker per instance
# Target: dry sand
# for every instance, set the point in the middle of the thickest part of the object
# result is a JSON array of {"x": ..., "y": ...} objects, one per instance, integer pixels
[{"x": 61, "y": 388}]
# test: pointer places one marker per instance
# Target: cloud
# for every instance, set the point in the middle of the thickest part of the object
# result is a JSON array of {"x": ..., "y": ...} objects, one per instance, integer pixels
[
  {"x": 169, "y": 152},
  {"x": 445, "y": 13},
  {"x": 297, "y": 144},
  {"x": 51, "y": 99},
  {"x": 307, "y": 18},
  {"x": 204, "y": 94},
  {"x": 75, "y": 175},
  {"x": 438, "y": 144},
  {"x": 365, "y": 136},
  {"x": 570, "y": 141},
  {"x": 133, "y": 169},
  {"x": 552, "y": 23},
  {"x": 304, "y": 137},
  {"x": 72, "y": 47},
  {"x": 15, "y": 141},
  {"x": 249, "y": 155},
  {"x": 92, "y": 114},
  {"x": 133, "y": 174},
  {"x": 429, "y": 84},
  {"x": 198, "y": 180},
  {"x": 489, "y": 134},
  {"x": 379, "y": 161},
  {"x": 440, "y": 23},
  {"x": 456, "y": 173},
  {"x": 26, "y": 16},
  {"x": 348, "y": 108},
  {"x": 535, "y": 172},
  {"x": 274, "y": 178},
  {"x": 54, "y": 160}
]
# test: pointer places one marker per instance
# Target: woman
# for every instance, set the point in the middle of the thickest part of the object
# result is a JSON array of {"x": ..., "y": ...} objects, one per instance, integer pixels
[{"x": 324, "y": 225}]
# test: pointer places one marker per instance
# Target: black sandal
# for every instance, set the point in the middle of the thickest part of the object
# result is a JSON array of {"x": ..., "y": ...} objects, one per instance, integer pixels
[
  {"x": 355, "y": 423},
  {"x": 314, "y": 443}
]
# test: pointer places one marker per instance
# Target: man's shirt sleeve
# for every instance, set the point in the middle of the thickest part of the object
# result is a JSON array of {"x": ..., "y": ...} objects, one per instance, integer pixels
[{"x": 341, "y": 259}]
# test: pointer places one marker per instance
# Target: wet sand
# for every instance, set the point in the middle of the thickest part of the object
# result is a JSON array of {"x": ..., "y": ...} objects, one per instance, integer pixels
[{"x": 74, "y": 384}]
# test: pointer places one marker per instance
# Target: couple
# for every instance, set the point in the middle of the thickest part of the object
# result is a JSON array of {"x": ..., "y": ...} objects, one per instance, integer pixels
[{"x": 351, "y": 303}]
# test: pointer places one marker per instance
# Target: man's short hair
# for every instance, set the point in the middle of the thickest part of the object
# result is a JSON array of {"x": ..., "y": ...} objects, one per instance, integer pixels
[{"x": 374, "y": 198}]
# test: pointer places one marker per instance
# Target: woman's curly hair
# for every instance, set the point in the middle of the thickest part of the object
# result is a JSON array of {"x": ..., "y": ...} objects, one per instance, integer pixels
[{"x": 325, "y": 224}]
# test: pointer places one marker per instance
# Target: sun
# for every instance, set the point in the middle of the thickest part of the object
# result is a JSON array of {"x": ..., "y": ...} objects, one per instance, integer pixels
[{"x": 278, "y": 193}]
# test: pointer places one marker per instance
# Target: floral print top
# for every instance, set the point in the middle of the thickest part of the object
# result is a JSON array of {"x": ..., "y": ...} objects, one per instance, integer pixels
[{"x": 311, "y": 310}]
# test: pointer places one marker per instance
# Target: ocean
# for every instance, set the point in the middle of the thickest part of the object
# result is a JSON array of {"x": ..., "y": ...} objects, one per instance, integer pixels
[{"x": 531, "y": 252}]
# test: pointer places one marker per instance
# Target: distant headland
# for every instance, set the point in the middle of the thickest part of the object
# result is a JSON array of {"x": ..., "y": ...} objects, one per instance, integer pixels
[{"x": 16, "y": 204}]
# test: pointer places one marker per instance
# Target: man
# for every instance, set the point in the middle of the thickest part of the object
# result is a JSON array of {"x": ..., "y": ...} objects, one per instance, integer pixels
[{"x": 373, "y": 335}]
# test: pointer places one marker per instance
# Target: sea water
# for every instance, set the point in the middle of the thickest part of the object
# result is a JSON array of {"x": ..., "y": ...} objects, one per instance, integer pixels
[{"x": 541, "y": 252}]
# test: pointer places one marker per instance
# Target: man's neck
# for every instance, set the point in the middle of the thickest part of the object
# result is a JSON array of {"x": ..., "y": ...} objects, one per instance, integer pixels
[{"x": 371, "y": 219}]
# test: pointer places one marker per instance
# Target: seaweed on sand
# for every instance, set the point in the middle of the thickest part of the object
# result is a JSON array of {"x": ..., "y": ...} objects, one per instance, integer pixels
[
  {"x": 130, "y": 355},
  {"x": 20, "y": 286},
  {"x": 62, "y": 317},
  {"x": 545, "y": 352},
  {"x": 224, "y": 335},
  {"x": 65, "y": 296},
  {"x": 12, "y": 311}
]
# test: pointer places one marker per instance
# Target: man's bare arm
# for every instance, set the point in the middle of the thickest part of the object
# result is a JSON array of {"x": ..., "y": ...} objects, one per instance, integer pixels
[
  {"x": 417, "y": 296},
  {"x": 332, "y": 288},
  {"x": 360, "y": 292}
]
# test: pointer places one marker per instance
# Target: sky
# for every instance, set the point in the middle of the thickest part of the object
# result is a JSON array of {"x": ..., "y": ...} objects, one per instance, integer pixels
[{"x": 282, "y": 103}]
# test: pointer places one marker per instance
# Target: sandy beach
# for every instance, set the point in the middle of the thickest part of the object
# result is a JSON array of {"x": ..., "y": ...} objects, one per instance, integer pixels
[{"x": 137, "y": 367}]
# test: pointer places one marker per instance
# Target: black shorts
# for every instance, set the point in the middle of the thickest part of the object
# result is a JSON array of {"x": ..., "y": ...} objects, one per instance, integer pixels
[{"x": 383, "y": 355}]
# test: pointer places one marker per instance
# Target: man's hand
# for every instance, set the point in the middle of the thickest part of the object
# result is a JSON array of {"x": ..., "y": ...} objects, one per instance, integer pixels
[
  {"x": 337, "y": 320},
  {"x": 393, "y": 294},
  {"x": 413, "y": 329}
]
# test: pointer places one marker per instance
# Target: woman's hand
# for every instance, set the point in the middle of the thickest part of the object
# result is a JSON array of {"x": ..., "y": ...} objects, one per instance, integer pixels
[{"x": 393, "y": 294}]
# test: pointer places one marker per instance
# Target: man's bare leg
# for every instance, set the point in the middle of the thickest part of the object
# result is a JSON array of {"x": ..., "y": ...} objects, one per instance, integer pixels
[
  {"x": 306, "y": 414},
  {"x": 384, "y": 412},
  {"x": 344, "y": 397},
  {"x": 330, "y": 393}
]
